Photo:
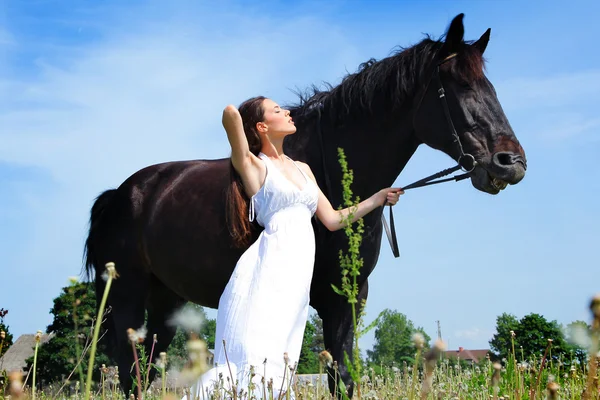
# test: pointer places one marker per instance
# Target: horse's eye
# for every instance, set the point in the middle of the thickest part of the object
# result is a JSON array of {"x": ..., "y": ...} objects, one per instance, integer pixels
[{"x": 465, "y": 85}]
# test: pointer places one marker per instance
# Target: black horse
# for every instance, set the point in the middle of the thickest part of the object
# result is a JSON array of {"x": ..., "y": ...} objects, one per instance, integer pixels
[{"x": 165, "y": 227}]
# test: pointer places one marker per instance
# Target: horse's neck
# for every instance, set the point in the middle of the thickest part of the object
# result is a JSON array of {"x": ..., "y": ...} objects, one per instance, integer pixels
[{"x": 382, "y": 156}]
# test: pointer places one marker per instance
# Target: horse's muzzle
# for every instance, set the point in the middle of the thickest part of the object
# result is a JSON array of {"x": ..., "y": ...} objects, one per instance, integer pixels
[{"x": 508, "y": 166}]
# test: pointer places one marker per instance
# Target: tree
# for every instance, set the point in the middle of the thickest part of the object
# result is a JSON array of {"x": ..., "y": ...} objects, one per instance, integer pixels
[
  {"x": 394, "y": 339},
  {"x": 312, "y": 345},
  {"x": 317, "y": 344},
  {"x": 531, "y": 334},
  {"x": 7, "y": 341},
  {"x": 309, "y": 361},
  {"x": 534, "y": 332},
  {"x": 74, "y": 313},
  {"x": 501, "y": 342}
]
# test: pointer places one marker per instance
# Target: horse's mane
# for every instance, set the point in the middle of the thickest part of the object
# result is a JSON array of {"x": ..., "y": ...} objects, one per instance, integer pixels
[{"x": 396, "y": 77}]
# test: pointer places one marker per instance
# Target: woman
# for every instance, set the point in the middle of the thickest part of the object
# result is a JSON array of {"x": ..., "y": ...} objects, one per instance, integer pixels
[{"x": 263, "y": 310}]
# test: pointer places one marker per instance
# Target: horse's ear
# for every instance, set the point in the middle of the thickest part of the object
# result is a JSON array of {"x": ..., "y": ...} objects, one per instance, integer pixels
[
  {"x": 454, "y": 36},
  {"x": 482, "y": 42}
]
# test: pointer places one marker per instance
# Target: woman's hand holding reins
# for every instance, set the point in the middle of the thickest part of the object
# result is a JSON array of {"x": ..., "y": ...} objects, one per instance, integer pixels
[{"x": 388, "y": 196}]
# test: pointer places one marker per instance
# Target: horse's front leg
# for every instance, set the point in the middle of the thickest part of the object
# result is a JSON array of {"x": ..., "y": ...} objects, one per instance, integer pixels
[{"x": 338, "y": 335}]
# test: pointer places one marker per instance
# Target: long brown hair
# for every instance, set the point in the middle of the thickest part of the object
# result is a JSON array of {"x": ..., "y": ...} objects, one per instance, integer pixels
[{"x": 240, "y": 227}]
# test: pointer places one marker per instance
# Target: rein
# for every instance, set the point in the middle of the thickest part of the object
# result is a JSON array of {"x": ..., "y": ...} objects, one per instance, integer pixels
[{"x": 465, "y": 162}]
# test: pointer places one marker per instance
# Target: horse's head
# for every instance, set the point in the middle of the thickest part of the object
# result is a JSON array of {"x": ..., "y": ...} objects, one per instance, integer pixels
[{"x": 473, "y": 110}]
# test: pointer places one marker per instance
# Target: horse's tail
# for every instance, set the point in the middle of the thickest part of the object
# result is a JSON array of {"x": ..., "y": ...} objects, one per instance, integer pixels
[
  {"x": 109, "y": 226},
  {"x": 102, "y": 216}
]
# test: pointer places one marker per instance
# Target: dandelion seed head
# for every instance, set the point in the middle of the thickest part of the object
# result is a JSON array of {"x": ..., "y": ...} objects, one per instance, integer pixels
[
  {"x": 141, "y": 334},
  {"x": 325, "y": 358},
  {"x": 132, "y": 335},
  {"x": 578, "y": 335},
  {"x": 552, "y": 390},
  {"x": 595, "y": 306},
  {"x": 440, "y": 345},
  {"x": 188, "y": 319},
  {"x": 418, "y": 340},
  {"x": 16, "y": 384}
]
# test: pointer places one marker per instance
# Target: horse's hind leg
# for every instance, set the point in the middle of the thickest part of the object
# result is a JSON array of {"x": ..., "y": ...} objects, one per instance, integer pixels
[
  {"x": 127, "y": 295},
  {"x": 161, "y": 305}
]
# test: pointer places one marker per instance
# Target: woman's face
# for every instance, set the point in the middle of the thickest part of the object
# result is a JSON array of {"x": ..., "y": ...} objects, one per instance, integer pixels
[{"x": 276, "y": 120}]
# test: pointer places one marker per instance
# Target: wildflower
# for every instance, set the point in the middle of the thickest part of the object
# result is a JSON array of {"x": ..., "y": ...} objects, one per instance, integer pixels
[
  {"x": 38, "y": 336},
  {"x": 496, "y": 374},
  {"x": 110, "y": 272},
  {"x": 512, "y": 334},
  {"x": 198, "y": 360},
  {"x": 325, "y": 358},
  {"x": 595, "y": 306},
  {"x": 2, "y": 335},
  {"x": 552, "y": 390},
  {"x": 73, "y": 280},
  {"x": 418, "y": 340},
  {"x": 439, "y": 345},
  {"x": 188, "y": 319},
  {"x": 16, "y": 384},
  {"x": 137, "y": 336}
]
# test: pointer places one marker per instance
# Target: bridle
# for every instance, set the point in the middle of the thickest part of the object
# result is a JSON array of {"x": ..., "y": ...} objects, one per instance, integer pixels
[{"x": 465, "y": 161}]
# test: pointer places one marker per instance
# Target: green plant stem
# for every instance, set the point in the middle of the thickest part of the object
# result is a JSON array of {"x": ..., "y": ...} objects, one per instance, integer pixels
[
  {"x": 77, "y": 346},
  {"x": 88, "y": 383},
  {"x": 147, "y": 377},
  {"x": 37, "y": 344},
  {"x": 137, "y": 371},
  {"x": 164, "y": 383}
]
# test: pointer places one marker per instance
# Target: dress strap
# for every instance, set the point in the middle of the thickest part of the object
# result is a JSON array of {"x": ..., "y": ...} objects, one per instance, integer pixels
[
  {"x": 251, "y": 213},
  {"x": 308, "y": 180},
  {"x": 251, "y": 207}
]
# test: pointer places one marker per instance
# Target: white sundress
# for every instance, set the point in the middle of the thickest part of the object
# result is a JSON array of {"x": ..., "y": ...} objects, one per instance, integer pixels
[{"x": 263, "y": 310}]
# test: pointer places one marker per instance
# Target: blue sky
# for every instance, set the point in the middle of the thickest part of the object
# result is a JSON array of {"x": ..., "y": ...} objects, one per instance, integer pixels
[{"x": 90, "y": 92}]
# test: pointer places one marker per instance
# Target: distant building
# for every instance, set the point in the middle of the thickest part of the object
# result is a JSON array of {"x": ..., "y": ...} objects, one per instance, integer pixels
[
  {"x": 21, "y": 350},
  {"x": 473, "y": 356}
]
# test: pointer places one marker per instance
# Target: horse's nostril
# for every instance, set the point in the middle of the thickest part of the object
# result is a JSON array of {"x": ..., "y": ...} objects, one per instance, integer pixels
[
  {"x": 507, "y": 159},
  {"x": 504, "y": 158}
]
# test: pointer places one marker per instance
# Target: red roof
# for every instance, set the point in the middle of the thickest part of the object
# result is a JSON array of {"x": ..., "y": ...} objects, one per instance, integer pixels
[{"x": 468, "y": 355}]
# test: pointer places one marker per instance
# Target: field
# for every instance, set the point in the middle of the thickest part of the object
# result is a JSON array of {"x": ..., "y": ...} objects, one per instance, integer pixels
[{"x": 430, "y": 377}]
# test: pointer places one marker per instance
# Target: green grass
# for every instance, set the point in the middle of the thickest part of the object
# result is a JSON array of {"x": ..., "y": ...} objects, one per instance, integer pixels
[{"x": 448, "y": 382}]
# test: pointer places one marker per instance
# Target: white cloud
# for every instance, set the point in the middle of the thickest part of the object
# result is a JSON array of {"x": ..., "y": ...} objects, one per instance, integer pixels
[
  {"x": 554, "y": 91},
  {"x": 473, "y": 334},
  {"x": 96, "y": 113},
  {"x": 554, "y": 110}
]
